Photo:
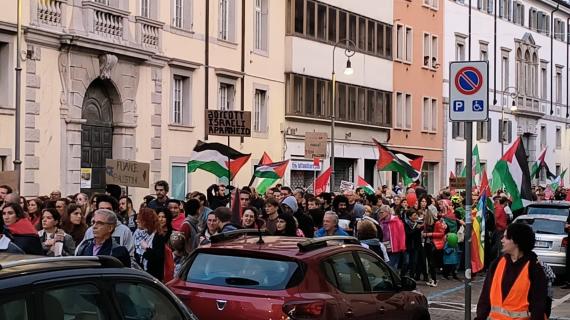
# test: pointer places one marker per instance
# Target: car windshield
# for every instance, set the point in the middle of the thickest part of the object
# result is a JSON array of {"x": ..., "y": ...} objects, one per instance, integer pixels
[
  {"x": 545, "y": 226},
  {"x": 243, "y": 272},
  {"x": 557, "y": 211}
]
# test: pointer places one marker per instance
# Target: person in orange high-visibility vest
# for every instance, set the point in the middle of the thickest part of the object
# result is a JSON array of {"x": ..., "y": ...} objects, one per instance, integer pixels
[{"x": 516, "y": 285}]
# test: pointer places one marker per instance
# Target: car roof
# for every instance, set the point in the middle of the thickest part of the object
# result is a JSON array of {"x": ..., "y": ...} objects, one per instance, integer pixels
[
  {"x": 542, "y": 216},
  {"x": 561, "y": 204},
  {"x": 19, "y": 264},
  {"x": 292, "y": 247}
]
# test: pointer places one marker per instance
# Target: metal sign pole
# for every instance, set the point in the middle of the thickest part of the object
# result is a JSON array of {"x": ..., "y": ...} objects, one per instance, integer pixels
[{"x": 468, "y": 191}]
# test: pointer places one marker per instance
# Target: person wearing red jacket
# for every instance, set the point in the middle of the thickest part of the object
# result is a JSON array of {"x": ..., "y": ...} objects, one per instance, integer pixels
[{"x": 433, "y": 235}]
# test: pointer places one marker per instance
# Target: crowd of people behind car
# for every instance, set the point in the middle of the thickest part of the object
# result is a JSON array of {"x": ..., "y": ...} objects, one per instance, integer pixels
[{"x": 419, "y": 234}]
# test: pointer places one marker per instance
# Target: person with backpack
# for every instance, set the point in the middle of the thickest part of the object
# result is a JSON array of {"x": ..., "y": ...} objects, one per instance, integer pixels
[{"x": 190, "y": 226}]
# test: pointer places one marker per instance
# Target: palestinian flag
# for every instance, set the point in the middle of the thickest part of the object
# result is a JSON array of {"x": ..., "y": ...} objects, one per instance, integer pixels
[
  {"x": 476, "y": 164},
  {"x": 558, "y": 181},
  {"x": 538, "y": 165},
  {"x": 217, "y": 159},
  {"x": 511, "y": 171},
  {"x": 407, "y": 164},
  {"x": 274, "y": 170},
  {"x": 365, "y": 186}
]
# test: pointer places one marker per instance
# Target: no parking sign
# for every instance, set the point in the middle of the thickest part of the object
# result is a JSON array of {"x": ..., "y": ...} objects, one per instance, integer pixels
[{"x": 469, "y": 91}]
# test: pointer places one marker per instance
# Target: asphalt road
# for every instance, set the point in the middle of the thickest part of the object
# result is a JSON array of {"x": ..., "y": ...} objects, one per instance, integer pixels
[{"x": 447, "y": 300}]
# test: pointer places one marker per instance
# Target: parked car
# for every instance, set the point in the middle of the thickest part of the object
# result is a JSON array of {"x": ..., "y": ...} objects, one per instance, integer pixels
[
  {"x": 245, "y": 275},
  {"x": 558, "y": 208},
  {"x": 551, "y": 239},
  {"x": 82, "y": 288}
]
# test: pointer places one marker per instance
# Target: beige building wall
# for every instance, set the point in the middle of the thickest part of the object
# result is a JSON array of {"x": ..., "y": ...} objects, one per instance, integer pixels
[
  {"x": 418, "y": 73},
  {"x": 66, "y": 54}
]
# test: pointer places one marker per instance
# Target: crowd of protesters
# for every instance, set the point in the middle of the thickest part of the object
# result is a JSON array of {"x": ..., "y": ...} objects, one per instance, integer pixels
[{"x": 418, "y": 234}]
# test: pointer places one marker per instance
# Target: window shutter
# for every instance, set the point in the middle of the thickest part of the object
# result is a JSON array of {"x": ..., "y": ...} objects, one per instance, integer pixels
[
  {"x": 232, "y": 20},
  {"x": 264, "y": 24},
  {"x": 187, "y": 14},
  {"x": 501, "y": 8},
  {"x": 479, "y": 130},
  {"x": 454, "y": 130},
  {"x": 489, "y": 122},
  {"x": 510, "y": 131}
]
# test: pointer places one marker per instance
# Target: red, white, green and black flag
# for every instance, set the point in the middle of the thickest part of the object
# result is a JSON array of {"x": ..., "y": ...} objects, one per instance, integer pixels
[
  {"x": 408, "y": 165},
  {"x": 365, "y": 185},
  {"x": 538, "y": 165},
  {"x": 274, "y": 170},
  {"x": 217, "y": 159},
  {"x": 511, "y": 172}
]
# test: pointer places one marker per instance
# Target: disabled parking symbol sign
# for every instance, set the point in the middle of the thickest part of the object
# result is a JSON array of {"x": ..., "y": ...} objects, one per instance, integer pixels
[{"x": 468, "y": 91}]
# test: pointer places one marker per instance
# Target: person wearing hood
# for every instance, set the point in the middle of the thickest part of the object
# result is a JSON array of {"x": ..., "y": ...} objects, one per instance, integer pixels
[
  {"x": 306, "y": 224},
  {"x": 20, "y": 230},
  {"x": 515, "y": 286}
]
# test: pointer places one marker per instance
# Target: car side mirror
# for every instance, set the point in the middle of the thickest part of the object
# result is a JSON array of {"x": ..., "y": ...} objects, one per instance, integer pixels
[{"x": 408, "y": 284}]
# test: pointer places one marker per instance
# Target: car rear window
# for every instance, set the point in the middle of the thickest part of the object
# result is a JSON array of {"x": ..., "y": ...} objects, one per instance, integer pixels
[
  {"x": 557, "y": 211},
  {"x": 545, "y": 226},
  {"x": 242, "y": 272}
]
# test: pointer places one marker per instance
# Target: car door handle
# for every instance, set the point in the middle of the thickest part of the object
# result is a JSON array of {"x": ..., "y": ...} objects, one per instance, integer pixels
[{"x": 349, "y": 313}]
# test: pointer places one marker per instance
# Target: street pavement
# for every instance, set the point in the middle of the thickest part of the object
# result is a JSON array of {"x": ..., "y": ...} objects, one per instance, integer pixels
[{"x": 447, "y": 300}]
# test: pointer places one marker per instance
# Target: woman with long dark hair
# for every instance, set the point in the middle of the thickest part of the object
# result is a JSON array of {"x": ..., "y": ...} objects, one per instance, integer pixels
[
  {"x": 20, "y": 230},
  {"x": 55, "y": 242},
  {"x": 164, "y": 221},
  {"x": 35, "y": 208},
  {"x": 251, "y": 218},
  {"x": 286, "y": 225},
  {"x": 74, "y": 223}
]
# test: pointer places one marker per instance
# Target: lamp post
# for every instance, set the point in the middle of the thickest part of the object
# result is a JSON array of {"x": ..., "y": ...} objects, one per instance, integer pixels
[
  {"x": 17, "y": 161},
  {"x": 347, "y": 71},
  {"x": 514, "y": 94}
]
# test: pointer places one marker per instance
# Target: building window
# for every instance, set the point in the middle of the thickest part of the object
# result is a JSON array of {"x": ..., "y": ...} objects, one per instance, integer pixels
[
  {"x": 403, "y": 111},
  {"x": 507, "y": 133},
  {"x": 429, "y": 119},
  {"x": 324, "y": 23},
  {"x": 226, "y": 95},
  {"x": 404, "y": 40},
  {"x": 459, "y": 48},
  {"x": 433, "y": 4},
  {"x": 261, "y": 25},
  {"x": 483, "y": 51},
  {"x": 484, "y": 130},
  {"x": 178, "y": 183},
  {"x": 558, "y": 169},
  {"x": 182, "y": 14},
  {"x": 518, "y": 13},
  {"x": 145, "y": 8},
  {"x": 559, "y": 29},
  {"x": 430, "y": 51},
  {"x": 260, "y": 111},
  {"x": 504, "y": 74},
  {"x": 311, "y": 97},
  {"x": 458, "y": 167},
  {"x": 226, "y": 20},
  {"x": 458, "y": 130},
  {"x": 558, "y": 138},
  {"x": 543, "y": 81},
  {"x": 181, "y": 112},
  {"x": 558, "y": 83}
]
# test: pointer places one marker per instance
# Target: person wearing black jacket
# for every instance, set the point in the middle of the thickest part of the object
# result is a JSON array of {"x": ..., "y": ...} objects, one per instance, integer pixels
[
  {"x": 518, "y": 242},
  {"x": 149, "y": 244},
  {"x": 217, "y": 196},
  {"x": 413, "y": 242}
]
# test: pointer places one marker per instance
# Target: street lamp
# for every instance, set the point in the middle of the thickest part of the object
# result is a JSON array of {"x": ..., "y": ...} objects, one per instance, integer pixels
[
  {"x": 347, "y": 71},
  {"x": 514, "y": 94}
]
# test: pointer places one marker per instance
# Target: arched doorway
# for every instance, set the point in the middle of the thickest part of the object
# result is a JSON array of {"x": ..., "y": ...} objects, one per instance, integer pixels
[{"x": 97, "y": 132}]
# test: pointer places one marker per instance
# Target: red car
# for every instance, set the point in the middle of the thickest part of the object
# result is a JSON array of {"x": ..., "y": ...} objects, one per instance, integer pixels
[{"x": 243, "y": 275}]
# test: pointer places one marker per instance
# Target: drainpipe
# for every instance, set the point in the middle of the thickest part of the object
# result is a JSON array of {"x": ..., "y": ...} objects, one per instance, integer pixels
[
  {"x": 552, "y": 59},
  {"x": 207, "y": 63},
  {"x": 567, "y": 67},
  {"x": 242, "y": 89},
  {"x": 495, "y": 56}
]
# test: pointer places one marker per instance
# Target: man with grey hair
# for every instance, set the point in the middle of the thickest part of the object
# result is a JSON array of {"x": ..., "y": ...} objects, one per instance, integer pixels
[
  {"x": 102, "y": 243},
  {"x": 330, "y": 226}
]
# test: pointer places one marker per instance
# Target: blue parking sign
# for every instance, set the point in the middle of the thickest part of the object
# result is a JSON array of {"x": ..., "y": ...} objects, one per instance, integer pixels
[{"x": 458, "y": 106}]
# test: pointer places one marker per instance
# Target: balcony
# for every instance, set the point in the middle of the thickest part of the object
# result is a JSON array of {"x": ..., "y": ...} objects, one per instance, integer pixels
[
  {"x": 148, "y": 33},
  {"x": 48, "y": 12},
  {"x": 529, "y": 106},
  {"x": 105, "y": 22}
]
